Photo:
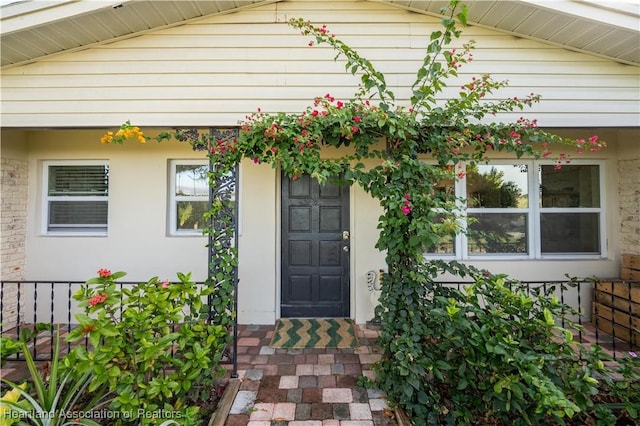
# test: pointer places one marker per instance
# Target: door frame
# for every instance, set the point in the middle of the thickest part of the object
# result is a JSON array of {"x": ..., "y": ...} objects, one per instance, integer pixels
[{"x": 278, "y": 249}]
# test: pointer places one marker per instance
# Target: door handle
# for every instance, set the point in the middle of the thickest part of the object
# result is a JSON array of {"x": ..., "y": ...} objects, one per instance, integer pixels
[
  {"x": 345, "y": 249},
  {"x": 345, "y": 235}
]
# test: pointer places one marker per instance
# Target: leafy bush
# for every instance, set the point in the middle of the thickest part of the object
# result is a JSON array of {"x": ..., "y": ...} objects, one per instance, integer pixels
[
  {"x": 493, "y": 353},
  {"x": 152, "y": 345},
  {"x": 10, "y": 346}
]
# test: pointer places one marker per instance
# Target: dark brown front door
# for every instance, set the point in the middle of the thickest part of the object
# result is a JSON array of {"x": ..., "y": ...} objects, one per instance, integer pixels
[{"x": 315, "y": 249}]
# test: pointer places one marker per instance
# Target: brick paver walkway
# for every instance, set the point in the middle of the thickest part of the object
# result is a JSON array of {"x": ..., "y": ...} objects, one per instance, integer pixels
[{"x": 305, "y": 387}]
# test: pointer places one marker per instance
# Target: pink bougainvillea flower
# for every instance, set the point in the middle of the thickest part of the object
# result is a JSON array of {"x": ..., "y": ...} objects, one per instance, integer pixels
[
  {"x": 354, "y": 129},
  {"x": 164, "y": 284},
  {"x": 406, "y": 210},
  {"x": 255, "y": 160},
  {"x": 104, "y": 273}
]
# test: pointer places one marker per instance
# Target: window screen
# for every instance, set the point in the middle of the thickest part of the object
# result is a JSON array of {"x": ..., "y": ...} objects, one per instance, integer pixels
[{"x": 77, "y": 197}]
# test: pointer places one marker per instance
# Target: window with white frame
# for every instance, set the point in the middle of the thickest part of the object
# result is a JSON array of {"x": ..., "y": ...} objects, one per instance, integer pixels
[
  {"x": 76, "y": 197},
  {"x": 188, "y": 196},
  {"x": 570, "y": 209},
  {"x": 530, "y": 209},
  {"x": 497, "y": 209}
]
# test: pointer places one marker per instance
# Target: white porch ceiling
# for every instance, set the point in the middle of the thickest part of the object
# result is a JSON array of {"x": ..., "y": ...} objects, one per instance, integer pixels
[
  {"x": 30, "y": 29},
  {"x": 604, "y": 28}
]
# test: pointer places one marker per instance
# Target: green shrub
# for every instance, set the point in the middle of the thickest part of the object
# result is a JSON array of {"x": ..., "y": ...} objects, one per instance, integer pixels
[
  {"x": 152, "y": 345},
  {"x": 493, "y": 353}
]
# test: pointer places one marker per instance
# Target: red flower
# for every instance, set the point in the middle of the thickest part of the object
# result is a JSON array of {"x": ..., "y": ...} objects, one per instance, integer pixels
[
  {"x": 314, "y": 113},
  {"x": 339, "y": 105},
  {"x": 104, "y": 273},
  {"x": 86, "y": 329},
  {"x": 406, "y": 210},
  {"x": 97, "y": 299},
  {"x": 357, "y": 119},
  {"x": 354, "y": 129}
]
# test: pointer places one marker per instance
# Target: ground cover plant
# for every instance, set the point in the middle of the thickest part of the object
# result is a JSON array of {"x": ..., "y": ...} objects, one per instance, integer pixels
[{"x": 491, "y": 355}]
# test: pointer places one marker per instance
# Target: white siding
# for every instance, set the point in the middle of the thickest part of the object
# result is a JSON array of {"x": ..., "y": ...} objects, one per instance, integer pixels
[{"x": 216, "y": 70}]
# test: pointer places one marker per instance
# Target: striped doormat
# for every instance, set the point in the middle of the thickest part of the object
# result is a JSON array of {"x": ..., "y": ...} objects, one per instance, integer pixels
[{"x": 314, "y": 333}]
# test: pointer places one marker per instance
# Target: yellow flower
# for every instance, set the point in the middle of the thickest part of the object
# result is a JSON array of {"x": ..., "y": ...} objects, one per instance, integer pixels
[
  {"x": 125, "y": 132},
  {"x": 10, "y": 396},
  {"x": 107, "y": 138}
]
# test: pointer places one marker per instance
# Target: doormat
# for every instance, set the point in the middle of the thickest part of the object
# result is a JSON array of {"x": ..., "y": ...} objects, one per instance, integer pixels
[{"x": 314, "y": 333}]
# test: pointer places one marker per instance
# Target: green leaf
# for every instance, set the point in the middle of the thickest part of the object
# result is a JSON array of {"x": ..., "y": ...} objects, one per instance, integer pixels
[
  {"x": 462, "y": 15},
  {"x": 548, "y": 317}
]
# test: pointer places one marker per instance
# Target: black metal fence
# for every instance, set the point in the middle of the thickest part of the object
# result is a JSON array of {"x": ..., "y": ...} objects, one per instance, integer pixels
[
  {"x": 26, "y": 304},
  {"x": 607, "y": 312}
]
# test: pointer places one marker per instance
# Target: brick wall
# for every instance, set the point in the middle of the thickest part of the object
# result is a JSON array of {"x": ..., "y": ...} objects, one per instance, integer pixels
[
  {"x": 13, "y": 217},
  {"x": 629, "y": 192}
]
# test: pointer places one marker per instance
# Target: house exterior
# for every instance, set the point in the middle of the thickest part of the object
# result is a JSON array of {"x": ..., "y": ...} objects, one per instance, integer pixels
[{"x": 73, "y": 70}]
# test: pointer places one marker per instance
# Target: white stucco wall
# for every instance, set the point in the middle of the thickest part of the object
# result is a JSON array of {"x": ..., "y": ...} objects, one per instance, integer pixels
[{"x": 138, "y": 242}]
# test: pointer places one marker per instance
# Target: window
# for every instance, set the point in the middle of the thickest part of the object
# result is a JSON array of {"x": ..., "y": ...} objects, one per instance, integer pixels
[
  {"x": 529, "y": 209},
  {"x": 570, "y": 209},
  {"x": 189, "y": 196},
  {"x": 497, "y": 209},
  {"x": 76, "y": 197}
]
